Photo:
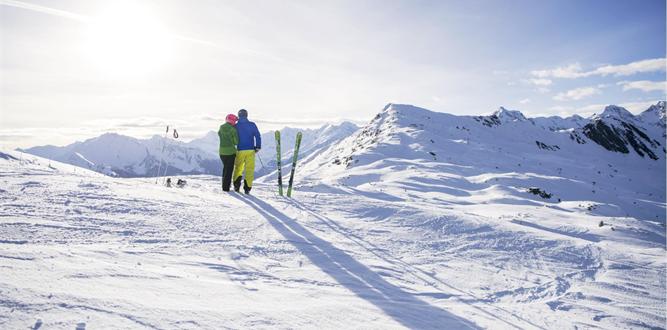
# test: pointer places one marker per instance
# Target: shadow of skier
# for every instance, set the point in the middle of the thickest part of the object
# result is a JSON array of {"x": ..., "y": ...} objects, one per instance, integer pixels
[{"x": 401, "y": 306}]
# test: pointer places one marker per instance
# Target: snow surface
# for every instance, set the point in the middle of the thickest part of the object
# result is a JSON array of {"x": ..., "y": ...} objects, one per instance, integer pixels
[{"x": 418, "y": 220}]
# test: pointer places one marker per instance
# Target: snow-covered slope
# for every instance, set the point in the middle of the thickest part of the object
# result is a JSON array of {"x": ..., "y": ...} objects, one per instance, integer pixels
[
  {"x": 418, "y": 220},
  {"x": 393, "y": 239},
  {"x": 498, "y": 158}
]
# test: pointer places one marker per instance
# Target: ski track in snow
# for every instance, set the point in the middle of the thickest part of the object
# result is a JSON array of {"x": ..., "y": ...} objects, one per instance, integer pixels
[{"x": 78, "y": 249}]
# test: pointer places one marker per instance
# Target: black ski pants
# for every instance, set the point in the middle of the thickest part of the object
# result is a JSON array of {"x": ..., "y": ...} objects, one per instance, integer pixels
[{"x": 227, "y": 170}]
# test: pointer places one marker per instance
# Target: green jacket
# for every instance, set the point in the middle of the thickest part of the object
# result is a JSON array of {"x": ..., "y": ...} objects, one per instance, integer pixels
[{"x": 229, "y": 138}]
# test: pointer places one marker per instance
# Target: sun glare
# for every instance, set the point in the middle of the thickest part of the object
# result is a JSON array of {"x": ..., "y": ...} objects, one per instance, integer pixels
[{"x": 127, "y": 40}]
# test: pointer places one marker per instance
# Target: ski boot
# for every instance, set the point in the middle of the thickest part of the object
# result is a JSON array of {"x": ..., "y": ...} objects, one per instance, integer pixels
[
  {"x": 237, "y": 184},
  {"x": 246, "y": 189}
]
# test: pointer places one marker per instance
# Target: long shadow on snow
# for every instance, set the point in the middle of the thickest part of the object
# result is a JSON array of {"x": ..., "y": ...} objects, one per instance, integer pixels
[
  {"x": 401, "y": 306},
  {"x": 415, "y": 271}
]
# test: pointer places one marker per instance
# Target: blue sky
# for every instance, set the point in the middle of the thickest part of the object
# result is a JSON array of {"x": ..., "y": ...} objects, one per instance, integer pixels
[{"x": 78, "y": 68}]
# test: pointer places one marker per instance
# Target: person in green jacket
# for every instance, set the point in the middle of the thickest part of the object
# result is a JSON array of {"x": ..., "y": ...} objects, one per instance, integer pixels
[{"x": 229, "y": 139}]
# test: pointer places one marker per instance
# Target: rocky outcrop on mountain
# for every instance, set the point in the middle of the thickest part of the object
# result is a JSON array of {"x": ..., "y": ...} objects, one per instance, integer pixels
[
  {"x": 603, "y": 159},
  {"x": 618, "y": 130}
]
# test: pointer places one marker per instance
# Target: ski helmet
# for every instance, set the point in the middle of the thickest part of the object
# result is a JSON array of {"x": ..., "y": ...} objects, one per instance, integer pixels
[
  {"x": 231, "y": 119},
  {"x": 243, "y": 113}
]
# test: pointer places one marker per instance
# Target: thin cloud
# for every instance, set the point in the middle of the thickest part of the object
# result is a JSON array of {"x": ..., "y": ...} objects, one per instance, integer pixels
[
  {"x": 540, "y": 81},
  {"x": 570, "y": 71},
  {"x": 575, "y": 70},
  {"x": 25, "y": 137},
  {"x": 577, "y": 94},
  {"x": 139, "y": 122},
  {"x": 651, "y": 65},
  {"x": 643, "y": 85},
  {"x": 44, "y": 10},
  {"x": 9, "y": 136},
  {"x": 524, "y": 101}
]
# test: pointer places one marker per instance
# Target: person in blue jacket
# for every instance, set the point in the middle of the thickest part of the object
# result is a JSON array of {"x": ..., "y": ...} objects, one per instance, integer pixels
[{"x": 250, "y": 142}]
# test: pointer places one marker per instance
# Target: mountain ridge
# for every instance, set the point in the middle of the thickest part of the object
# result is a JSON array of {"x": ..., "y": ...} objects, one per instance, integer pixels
[
  {"x": 414, "y": 148},
  {"x": 119, "y": 155},
  {"x": 614, "y": 129}
]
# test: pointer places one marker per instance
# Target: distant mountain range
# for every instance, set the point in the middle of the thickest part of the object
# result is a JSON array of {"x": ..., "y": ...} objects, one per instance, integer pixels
[
  {"x": 399, "y": 131},
  {"x": 123, "y": 156},
  {"x": 613, "y": 159}
]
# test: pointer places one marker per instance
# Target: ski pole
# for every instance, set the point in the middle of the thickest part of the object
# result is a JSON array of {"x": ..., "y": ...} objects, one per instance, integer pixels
[
  {"x": 260, "y": 159},
  {"x": 168, "y": 139}
]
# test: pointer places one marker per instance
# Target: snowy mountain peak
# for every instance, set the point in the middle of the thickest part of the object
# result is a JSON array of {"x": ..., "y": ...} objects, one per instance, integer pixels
[
  {"x": 404, "y": 109},
  {"x": 110, "y": 137},
  {"x": 655, "y": 114},
  {"x": 506, "y": 115},
  {"x": 345, "y": 125},
  {"x": 114, "y": 141},
  {"x": 616, "y": 112},
  {"x": 404, "y": 115}
]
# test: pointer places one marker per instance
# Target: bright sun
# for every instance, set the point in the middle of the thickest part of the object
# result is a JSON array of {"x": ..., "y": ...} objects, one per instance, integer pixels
[{"x": 127, "y": 40}]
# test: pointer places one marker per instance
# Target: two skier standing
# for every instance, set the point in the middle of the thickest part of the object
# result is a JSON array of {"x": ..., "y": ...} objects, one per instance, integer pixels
[{"x": 239, "y": 141}]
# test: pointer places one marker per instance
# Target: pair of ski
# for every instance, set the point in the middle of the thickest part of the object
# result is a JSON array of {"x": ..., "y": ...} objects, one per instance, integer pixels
[{"x": 294, "y": 159}]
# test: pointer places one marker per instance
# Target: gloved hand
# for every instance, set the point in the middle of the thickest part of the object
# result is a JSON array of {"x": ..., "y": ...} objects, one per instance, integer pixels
[{"x": 257, "y": 149}]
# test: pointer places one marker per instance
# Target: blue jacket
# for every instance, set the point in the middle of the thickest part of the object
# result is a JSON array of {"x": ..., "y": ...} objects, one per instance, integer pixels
[{"x": 249, "y": 137}]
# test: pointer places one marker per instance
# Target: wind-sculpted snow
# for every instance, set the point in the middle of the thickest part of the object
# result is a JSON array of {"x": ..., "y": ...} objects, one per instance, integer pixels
[{"x": 386, "y": 242}]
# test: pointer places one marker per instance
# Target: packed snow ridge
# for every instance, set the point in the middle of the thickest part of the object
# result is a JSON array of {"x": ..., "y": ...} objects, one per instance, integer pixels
[{"x": 418, "y": 220}]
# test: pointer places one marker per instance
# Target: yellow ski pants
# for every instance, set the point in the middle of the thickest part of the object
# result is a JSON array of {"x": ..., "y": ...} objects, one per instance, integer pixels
[{"x": 245, "y": 160}]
